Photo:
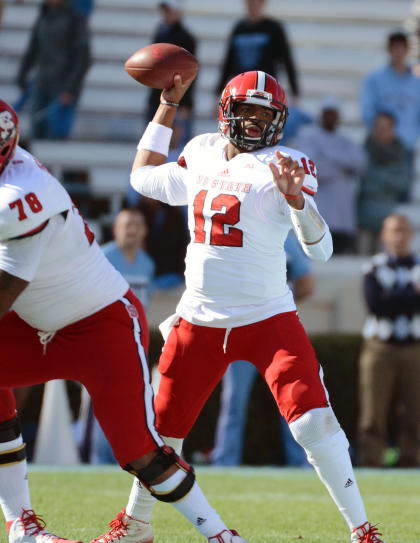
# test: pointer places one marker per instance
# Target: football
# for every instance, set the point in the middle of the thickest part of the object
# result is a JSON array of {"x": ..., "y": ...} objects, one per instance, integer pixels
[{"x": 156, "y": 65}]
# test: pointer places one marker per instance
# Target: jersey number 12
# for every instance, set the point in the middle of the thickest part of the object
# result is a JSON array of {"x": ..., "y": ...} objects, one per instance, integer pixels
[{"x": 228, "y": 206}]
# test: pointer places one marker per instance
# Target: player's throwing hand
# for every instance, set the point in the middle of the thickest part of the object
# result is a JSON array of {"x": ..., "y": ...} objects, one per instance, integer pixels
[
  {"x": 177, "y": 91},
  {"x": 288, "y": 176}
]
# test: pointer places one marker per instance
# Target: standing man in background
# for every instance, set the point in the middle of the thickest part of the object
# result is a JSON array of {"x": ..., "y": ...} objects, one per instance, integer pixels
[
  {"x": 59, "y": 53},
  {"x": 258, "y": 42},
  {"x": 390, "y": 357},
  {"x": 396, "y": 90},
  {"x": 339, "y": 162}
]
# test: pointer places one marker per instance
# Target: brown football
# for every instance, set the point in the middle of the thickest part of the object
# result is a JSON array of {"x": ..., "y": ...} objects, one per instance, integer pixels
[{"x": 156, "y": 65}]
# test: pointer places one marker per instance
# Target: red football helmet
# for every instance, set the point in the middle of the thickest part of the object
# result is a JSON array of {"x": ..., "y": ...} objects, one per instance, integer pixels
[
  {"x": 9, "y": 133},
  {"x": 252, "y": 88}
]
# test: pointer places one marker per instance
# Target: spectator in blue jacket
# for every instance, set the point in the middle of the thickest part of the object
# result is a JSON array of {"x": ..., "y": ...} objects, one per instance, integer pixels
[
  {"x": 395, "y": 89},
  {"x": 127, "y": 253}
]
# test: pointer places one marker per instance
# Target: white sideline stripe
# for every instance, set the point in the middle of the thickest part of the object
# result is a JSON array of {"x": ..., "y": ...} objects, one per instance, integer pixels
[
  {"x": 148, "y": 390},
  {"x": 281, "y": 472}
]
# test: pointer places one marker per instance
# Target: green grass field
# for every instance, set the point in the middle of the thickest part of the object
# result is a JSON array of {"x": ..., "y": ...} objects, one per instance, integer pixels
[{"x": 266, "y": 505}]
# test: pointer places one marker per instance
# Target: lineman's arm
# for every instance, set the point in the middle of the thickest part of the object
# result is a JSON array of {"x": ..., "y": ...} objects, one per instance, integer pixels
[{"x": 10, "y": 288}]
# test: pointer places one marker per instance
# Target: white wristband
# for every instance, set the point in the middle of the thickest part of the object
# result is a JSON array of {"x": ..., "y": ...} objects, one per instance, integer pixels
[{"x": 156, "y": 138}]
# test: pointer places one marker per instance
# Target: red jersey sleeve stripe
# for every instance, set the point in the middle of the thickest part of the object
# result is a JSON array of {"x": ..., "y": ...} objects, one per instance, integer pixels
[
  {"x": 308, "y": 191},
  {"x": 34, "y": 231}
]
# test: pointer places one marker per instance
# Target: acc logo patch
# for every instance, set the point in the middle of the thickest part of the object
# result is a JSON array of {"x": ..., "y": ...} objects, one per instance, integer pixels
[{"x": 132, "y": 311}]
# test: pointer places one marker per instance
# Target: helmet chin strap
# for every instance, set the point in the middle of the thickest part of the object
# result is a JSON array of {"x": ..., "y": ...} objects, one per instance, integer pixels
[{"x": 240, "y": 139}]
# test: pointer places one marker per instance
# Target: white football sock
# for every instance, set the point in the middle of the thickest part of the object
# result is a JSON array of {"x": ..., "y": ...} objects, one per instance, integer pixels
[
  {"x": 332, "y": 463},
  {"x": 194, "y": 506},
  {"x": 326, "y": 447},
  {"x": 141, "y": 502},
  {"x": 14, "y": 488}
]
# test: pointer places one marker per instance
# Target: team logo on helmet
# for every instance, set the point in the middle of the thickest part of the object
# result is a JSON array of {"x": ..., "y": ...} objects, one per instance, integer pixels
[{"x": 7, "y": 127}]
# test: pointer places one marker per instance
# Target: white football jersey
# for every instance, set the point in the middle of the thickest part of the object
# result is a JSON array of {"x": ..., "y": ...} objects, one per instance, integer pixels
[
  {"x": 238, "y": 222},
  {"x": 44, "y": 240}
]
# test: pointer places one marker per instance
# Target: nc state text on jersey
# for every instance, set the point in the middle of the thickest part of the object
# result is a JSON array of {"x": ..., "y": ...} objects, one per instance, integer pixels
[{"x": 222, "y": 184}]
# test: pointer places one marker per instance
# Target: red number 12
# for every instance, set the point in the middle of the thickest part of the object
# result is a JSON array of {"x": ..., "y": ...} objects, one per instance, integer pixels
[{"x": 228, "y": 217}]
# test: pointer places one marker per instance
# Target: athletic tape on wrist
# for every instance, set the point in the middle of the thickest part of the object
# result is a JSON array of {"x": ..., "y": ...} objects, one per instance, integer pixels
[
  {"x": 308, "y": 223},
  {"x": 156, "y": 138}
]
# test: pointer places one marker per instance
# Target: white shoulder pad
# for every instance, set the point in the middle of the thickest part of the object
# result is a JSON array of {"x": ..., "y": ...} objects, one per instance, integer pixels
[
  {"x": 29, "y": 196},
  {"x": 310, "y": 183},
  {"x": 192, "y": 152}
]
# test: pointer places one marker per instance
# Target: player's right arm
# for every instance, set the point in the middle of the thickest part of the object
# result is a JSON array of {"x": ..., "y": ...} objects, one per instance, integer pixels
[
  {"x": 152, "y": 146},
  {"x": 166, "y": 182},
  {"x": 10, "y": 288}
]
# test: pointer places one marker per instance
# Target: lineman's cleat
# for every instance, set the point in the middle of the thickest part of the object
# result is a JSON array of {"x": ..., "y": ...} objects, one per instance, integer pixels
[
  {"x": 30, "y": 528},
  {"x": 127, "y": 529},
  {"x": 366, "y": 533},
  {"x": 227, "y": 536}
]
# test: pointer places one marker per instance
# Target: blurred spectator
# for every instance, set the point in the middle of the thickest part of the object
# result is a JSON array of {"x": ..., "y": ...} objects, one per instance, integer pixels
[
  {"x": 390, "y": 358},
  {"x": 297, "y": 119},
  {"x": 128, "y": 256},
  {"x": 240, "y": 377},
  {"x": 172, "y": 30},
  {"x": 58, "y": 52},
  {"x": 258, "y": 42},
  {"x": 84, "y": 7},
  {"x": 395, "y": 89},
  {"x": 382, "y": 182},
  {"x": 127, "y": 253},
  {"x": 339, "y": 163},
  {"x": 167, "y": 240}
]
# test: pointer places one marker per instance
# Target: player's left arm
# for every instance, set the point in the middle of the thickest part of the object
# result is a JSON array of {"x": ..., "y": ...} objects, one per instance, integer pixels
[
  {"x": 19, "y": 261},
  {"x": 10, "y": 288},
  {"x": 311, "y": 229}
]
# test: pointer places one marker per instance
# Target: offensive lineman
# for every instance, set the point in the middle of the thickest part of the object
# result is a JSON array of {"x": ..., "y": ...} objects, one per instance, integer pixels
[
  {"x": 75, "y": 318},
  {"x": 244, "y": 193}
]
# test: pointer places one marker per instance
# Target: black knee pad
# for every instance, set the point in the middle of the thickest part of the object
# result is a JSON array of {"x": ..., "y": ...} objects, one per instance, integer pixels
[
  {"x": 165, "y": 458},
  {"x": 10, "y": 430}
]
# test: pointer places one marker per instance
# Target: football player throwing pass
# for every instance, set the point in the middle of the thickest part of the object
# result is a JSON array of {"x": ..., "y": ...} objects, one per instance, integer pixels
[
  {"x": 74, "y": 317},
  {"x": 244, "y": 193}
]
